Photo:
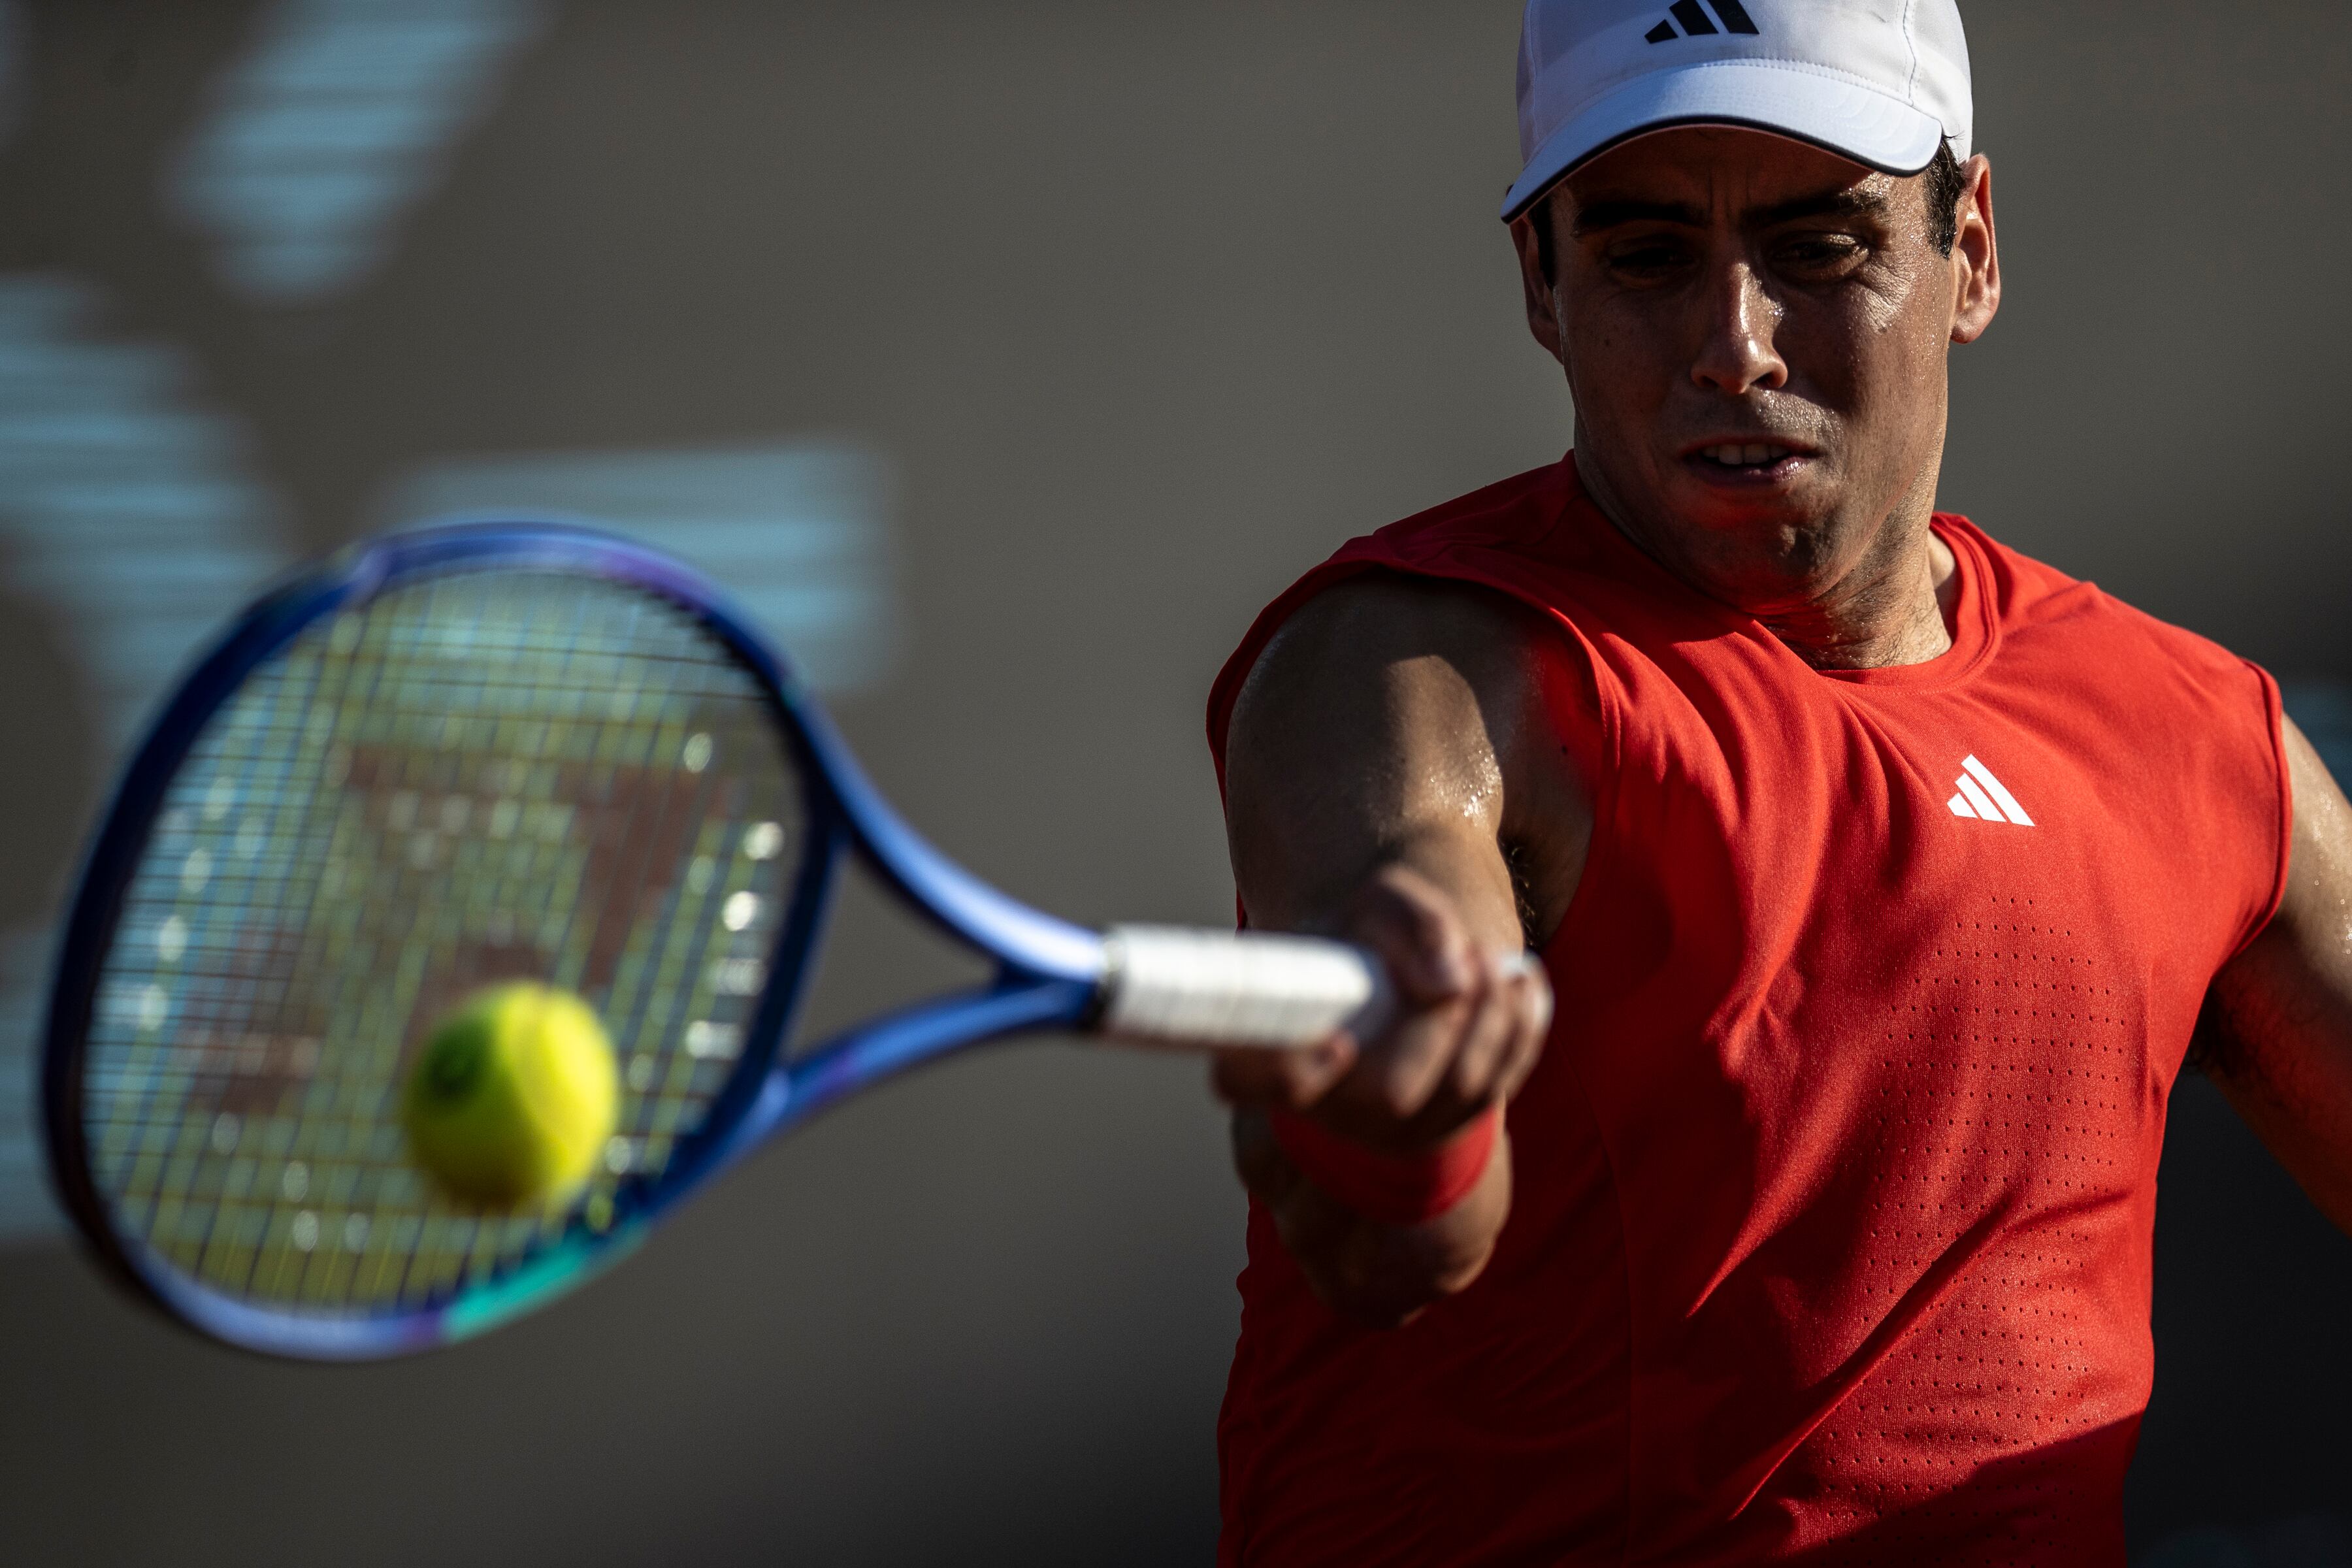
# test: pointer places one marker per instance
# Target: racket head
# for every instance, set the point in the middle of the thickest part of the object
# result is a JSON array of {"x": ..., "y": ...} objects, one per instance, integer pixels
[{"x": 297, "y": 872}]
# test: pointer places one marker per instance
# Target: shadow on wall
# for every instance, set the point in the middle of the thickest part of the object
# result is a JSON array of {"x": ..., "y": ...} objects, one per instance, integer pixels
[
  {"x": 2325, "y": 711},
  {"x": 2309, "y": 1541}
]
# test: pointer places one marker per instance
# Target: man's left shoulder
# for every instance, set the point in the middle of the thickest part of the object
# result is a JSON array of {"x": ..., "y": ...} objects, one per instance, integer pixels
[{"x": 2042, "y": 609}]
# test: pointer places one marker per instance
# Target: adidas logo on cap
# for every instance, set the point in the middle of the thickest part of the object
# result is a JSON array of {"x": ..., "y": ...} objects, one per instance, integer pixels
[{"x": 1696, "y": 22}]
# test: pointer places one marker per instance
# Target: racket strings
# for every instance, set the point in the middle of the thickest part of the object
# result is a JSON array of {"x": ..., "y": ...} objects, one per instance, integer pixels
[{"x": 471, "y": 779}]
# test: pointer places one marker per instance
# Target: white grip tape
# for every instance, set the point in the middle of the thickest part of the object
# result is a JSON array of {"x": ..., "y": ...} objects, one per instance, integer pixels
[{"x": 1174, "y": 986}]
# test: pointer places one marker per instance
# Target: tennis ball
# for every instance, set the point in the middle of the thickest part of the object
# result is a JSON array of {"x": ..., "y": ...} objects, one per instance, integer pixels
[{"x": 513, "y": 1097}]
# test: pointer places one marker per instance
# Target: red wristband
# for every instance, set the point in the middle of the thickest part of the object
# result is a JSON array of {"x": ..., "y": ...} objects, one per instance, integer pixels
[{"x": 1394, "y": 1189}]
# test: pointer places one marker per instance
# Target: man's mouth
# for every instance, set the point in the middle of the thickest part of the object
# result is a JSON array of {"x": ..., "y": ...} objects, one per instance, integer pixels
[
  {"x": 1745, "y": 455},
  {"x": 1759, "y": 466}
]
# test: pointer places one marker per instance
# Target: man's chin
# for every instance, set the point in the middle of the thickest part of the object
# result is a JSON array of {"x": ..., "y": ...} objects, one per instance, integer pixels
[
  {"x": 1770, "y": 519},
  {"x": 1796, "y": 493},
  {"x": 1754, "y": 544}
]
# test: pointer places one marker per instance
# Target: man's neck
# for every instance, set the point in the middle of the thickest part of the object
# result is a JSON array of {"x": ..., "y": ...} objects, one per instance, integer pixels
[{"x": 1900, "y": 615}]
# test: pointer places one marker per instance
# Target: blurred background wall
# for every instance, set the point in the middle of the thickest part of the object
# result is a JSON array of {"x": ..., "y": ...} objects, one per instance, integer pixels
[{"x": 1054, "y": 338}]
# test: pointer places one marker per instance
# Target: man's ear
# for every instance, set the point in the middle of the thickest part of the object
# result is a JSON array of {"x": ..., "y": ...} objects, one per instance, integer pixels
[
  {"x": 1543, "y": 310},
  {"x": 1975, "y": 256}
]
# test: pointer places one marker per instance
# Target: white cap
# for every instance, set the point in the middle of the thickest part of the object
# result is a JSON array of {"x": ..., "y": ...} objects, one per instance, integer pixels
[{"x": 1878, "y": 81}]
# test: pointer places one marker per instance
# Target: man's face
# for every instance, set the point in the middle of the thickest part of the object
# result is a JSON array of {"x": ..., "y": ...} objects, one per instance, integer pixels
[{"x": 1755, "y": 331}]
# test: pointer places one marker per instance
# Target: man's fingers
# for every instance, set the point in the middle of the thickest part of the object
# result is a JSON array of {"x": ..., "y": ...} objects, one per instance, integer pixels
[
  {"x": 1408, "y": 923},
  {"x": 1469, "y": 1028},
  {"x": 1396, "y": 1077},
  {"x": 1293, "y": 1079},
  {"x": 1486, "y": 1043},
  {"x": 1406, "y": 1079},
  {"x": 1495, "y": 1047},
  {"x": 1532, "y": 1002}
]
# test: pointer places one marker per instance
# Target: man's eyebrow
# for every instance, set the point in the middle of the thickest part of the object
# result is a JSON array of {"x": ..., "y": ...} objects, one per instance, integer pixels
[
  {"x": 1591, "y": 217},
  {"x": 1846, "y": 201}
]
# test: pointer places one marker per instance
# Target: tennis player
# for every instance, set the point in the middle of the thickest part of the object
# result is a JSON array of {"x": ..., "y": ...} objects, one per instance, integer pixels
[{"x": 1882, "y": 876}]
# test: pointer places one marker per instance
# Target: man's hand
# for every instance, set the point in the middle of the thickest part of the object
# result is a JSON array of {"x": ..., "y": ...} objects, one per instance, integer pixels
[{"x": 1468, "y": 1027}]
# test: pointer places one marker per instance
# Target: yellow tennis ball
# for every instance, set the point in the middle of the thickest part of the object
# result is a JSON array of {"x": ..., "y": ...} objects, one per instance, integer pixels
[{"x": 514, "y": 1096}]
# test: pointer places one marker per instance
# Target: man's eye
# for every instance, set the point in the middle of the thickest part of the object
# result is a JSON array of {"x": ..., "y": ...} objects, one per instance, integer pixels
[
  {"x": 1647, "y": 260},
  {"x": 1821, "y": 252}
]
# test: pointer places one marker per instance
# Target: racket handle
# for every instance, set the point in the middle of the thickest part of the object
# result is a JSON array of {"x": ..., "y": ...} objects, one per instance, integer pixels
[{"x": 1173, "y": 985}]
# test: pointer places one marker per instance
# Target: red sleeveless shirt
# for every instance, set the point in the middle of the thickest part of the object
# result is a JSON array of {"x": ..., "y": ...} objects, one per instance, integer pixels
[{"x": 1836, "y": 1185}]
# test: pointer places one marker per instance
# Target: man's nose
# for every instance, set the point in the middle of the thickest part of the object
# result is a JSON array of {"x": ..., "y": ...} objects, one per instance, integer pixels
[{"x": 1736, "y": 354}]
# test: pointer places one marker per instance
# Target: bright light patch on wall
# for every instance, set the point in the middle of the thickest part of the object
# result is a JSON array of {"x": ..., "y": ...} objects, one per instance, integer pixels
[
  {"x": 796, "y": 534},
  {"x": 123, "y": 508},
  {"x": 336, "y": 123},
  {"x": 126, "y": 512}
]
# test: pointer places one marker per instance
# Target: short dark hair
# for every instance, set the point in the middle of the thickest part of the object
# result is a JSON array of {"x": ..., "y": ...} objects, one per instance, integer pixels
[
  {"x": 1546, "y": 246},
  {"x": 1946, "y": 183}
]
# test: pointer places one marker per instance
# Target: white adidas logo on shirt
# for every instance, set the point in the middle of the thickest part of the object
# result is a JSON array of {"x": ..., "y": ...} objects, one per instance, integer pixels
[{"x": 1984, "y": 798}]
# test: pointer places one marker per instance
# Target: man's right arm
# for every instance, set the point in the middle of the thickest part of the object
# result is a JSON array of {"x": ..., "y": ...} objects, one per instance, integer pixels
[
  {"x": 2276, "y": 1032},
  {"x": 1394, "y": 777}
]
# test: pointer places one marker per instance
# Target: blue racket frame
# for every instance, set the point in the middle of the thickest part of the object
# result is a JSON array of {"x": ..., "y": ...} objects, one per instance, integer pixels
[{"x": 1049, "y": 972}]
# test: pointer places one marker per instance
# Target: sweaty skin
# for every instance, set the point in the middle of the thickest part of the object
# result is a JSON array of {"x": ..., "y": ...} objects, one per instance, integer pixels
[
  {"x": 1755, "y": 334},
  {"x": 1388, "y": 780},
  {"x": 1728, "y": 290}
]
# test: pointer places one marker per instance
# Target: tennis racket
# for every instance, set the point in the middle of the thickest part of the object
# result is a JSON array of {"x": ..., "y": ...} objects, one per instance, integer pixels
[{"x": 495, "y": 751}]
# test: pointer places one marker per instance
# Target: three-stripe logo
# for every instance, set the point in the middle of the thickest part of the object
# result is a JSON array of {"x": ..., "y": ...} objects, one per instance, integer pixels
[
  {"x": 1697, "y": 23},
  {"x": 1983, "y": 797}
]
